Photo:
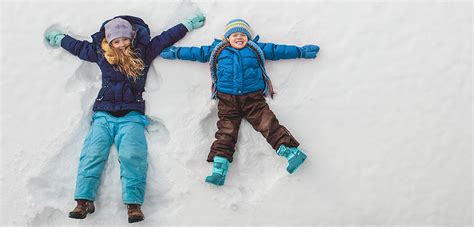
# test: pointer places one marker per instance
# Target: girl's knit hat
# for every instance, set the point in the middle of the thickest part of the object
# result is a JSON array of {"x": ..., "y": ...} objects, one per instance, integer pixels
[
  {"x": 238, "y": 25},
  {"x": 118, "y": 28}
]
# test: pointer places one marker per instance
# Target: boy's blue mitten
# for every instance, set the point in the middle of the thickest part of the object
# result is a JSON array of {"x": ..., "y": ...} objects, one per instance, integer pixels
[
  {"x": 170, "y": 53},
  {"x": 196, "y": 22},
  {"x": 309, "y": 51},
  {"x": 54, "y": 38}
]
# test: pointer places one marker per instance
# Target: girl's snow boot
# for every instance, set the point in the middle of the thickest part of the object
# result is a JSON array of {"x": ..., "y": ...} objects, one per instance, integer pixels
[
  {"x": 82, "y": 208},
  {"x": 294, "y": 155},
  {"x": 135, "y": 213},
  {"x": 219, "y": 171}
]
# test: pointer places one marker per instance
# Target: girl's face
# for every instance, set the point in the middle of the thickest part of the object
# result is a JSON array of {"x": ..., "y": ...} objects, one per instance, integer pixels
[
  {"x": 238, "y": 40},
  {"x": 120, "y": 43}
]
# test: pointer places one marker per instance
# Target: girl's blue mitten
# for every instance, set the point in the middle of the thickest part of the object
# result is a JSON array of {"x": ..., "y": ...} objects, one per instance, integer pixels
[
  {"x": 195, "y": 22},
  {"x": 54, "y": 38}
]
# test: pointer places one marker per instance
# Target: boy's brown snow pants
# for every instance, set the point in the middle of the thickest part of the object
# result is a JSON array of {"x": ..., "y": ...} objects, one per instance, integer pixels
[{"x": 254, "y": 108}]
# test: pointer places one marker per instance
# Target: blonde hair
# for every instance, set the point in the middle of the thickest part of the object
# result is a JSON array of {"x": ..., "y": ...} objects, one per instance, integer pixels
[{"x": 127, "y": 60}]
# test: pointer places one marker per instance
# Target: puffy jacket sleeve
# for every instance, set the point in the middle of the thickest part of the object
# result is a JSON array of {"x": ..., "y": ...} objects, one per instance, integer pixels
[
  {"x": 164, "y": 40},
  {"x": 200, "y": 54},
  {"x": 279, "y": 51},
  {"x": 82, "y": 49}
]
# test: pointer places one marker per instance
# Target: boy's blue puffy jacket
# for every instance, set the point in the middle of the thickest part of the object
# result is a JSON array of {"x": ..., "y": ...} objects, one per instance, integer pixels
[
  {"x": 238, "y": 71},
  {"x": 118, "y": 92}
]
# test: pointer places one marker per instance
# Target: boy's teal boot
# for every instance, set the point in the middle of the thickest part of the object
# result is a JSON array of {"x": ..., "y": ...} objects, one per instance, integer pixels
[
  {"x": 221, "y": 165},
  {"x": 294, "y": 155}
]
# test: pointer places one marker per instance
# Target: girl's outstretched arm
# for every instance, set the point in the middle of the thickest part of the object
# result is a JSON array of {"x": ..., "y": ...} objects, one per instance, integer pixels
[
  {"x": 172, "y": 35},
  {"x": 164, "y": 40},
  {"x": 83, "y": 49}
]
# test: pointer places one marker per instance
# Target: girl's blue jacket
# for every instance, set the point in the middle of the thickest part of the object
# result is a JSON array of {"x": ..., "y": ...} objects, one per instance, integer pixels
[{"x": 118, "y": 92}]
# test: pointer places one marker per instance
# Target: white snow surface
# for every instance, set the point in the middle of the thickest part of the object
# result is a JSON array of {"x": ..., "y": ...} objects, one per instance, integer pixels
[{"x": 384, "y": 114}]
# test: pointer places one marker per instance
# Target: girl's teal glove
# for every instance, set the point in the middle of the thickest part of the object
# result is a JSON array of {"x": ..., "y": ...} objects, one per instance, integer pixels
[
  {"x": 170, "y": 53},
  {"x": 195, "y": 22},
  {"x": 54, "y": 38},
  {"x": 309, "y": 51}
]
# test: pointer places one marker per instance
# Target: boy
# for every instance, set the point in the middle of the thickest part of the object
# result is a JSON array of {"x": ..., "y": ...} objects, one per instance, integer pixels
[{"x": 240, "y": 82}]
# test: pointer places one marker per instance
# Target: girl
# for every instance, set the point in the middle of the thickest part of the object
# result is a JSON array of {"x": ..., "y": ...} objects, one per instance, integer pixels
[
  {"x": 240, "y": 82},
  {"x": 123, "y": 50}
]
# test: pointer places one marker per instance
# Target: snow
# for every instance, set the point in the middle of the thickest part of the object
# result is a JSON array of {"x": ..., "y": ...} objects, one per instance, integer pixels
[{"x": 384, "y": 114}]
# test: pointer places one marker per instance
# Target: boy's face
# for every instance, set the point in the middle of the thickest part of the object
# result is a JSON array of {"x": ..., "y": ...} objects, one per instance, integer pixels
[
  {"x": 120, "y": 43},
  {"x": 238, "y": 40}
]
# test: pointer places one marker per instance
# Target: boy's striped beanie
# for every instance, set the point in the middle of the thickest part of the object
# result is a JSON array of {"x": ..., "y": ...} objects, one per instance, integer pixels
[{"x": 238, "y": 25}]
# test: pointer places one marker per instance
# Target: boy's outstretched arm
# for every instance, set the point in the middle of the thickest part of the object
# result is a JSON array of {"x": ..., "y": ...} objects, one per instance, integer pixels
[
  {"x": 201, "y": 54},
  {"x": 83, "y": 49},
  {"x": 279, "y": 51},
  {"x": 172, "y": 35}
]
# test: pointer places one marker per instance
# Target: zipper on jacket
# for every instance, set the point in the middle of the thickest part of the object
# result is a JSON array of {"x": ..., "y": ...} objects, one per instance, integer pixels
[
  {"x": 139, "y": 100},
  {"x": 103, "y": 91}
]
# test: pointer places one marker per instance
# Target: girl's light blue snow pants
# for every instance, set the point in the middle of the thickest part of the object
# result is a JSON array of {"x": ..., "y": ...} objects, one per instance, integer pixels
[{"x": 128, "y": 134}]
